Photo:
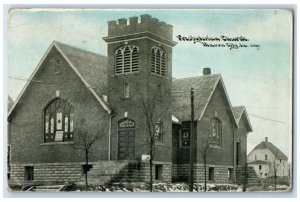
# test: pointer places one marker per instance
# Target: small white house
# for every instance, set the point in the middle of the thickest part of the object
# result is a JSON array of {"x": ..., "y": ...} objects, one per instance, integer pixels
[{"x": 266, "y": 159}]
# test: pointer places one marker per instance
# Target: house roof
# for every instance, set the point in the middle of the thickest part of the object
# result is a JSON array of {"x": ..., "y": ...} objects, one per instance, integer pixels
[
  {"x": 239, "y": 111},
  {"x": 272, "y": 148},
  {"x": 90, "y": 68},
  {"x": 204, "y": 87}
]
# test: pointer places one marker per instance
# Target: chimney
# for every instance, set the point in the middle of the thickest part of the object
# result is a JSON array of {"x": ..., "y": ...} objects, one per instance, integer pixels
[
  {"x": 266, "y": 139},
  {"x": 206, "y": 71}
]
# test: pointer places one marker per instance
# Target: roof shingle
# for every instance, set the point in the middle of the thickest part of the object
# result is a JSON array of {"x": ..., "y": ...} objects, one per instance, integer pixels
[
  {"x": 203, "y": 85},
  {"x": 92, "y": 66}
]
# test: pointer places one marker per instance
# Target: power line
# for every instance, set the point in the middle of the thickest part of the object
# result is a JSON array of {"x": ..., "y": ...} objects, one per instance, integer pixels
[
  {"x": 182, "y": 107},
  {"x": 265, "y": 118}
]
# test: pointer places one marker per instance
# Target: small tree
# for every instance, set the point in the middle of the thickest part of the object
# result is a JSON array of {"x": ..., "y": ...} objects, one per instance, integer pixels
[
  {"x": 275, "y": 168},
  {"x": 204, "y": 148},
  {"x": 84, "y": 142},
  {"x": 148, "y": 110},
  {"x": 245, "y": 177},
  {"x": 153, "y": 125}
]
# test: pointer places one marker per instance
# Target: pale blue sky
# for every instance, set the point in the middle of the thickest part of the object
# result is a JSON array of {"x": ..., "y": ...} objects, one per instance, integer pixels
[{"x": 259, "y": 79}]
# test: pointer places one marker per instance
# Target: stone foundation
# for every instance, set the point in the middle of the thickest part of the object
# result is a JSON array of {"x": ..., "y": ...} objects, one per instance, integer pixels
[
  {"x": 101, "y": 173},
  {"x": 140, "y": 172},
  {"x": 166, "y": 172},
  {"x": 49, "y": 173},
  {"x": 181, "y": 173}
]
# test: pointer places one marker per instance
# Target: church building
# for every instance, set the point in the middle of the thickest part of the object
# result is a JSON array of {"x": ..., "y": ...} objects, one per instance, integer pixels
[{"x": 72, "y": 89}]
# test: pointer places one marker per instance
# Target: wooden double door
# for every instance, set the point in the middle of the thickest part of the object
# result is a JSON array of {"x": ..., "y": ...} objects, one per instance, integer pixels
[{"x": 126, "y": 144}]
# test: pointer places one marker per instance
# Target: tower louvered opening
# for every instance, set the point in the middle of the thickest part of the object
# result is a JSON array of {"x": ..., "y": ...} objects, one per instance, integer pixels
[
  {"x": 119, "y": 62},
  {"x": 158, "y": 61},
  {"x": 153, "y": 60},
  {"x": 127, "y": 59},
  {"x": 135, "y": 59},
  {"x": 163, "y": 64}
]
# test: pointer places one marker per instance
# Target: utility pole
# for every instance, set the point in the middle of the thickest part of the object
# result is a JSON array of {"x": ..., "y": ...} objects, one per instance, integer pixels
[{"x": 191, "y": 142}]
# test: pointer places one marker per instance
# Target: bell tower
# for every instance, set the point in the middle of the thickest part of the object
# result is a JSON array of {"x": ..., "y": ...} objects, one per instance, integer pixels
[{"x": 139, "y": 70}]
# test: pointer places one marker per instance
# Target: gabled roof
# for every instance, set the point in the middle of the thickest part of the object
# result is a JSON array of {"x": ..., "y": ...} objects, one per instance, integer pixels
[
  {"x": 89, "y": 67},
  {"x": 272, "y": 148},
  {"x": 239, "y": 111},
  {"x": 204, "y": 87}
]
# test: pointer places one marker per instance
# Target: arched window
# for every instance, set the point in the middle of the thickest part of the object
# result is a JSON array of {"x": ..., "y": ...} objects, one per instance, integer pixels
[
  {"x": 58, "y": 121},
  {"x": 158, "y": 61},
  {"x": 127, "y": 59},
  {"x": 215, "y": 135}
]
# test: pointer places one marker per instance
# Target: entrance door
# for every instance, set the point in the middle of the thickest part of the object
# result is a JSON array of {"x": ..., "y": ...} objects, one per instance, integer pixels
[{"x": 126, "y": 135}]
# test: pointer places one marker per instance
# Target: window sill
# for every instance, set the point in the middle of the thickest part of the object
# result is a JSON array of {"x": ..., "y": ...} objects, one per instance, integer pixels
[
  {"x": 159, "y": 143},
  {"x": 161, "y": 76},
  {"x": 57, "y": 143},
  {"x": 126, "y": 74},
  {"x": 215, "y": 147}
]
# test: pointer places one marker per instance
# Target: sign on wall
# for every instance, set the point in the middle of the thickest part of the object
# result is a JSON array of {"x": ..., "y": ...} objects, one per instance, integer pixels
[{"x": 126, "y": 123}]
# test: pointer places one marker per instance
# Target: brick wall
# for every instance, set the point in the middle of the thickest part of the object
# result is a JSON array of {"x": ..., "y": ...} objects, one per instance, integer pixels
[
  {"x": 241, "y": 136},
  {"x": 220, "y": 157},
  {"x": 27, "y": 127},
  {"x": 143, "y": 86},
  {"x": 217, "y": 108}
]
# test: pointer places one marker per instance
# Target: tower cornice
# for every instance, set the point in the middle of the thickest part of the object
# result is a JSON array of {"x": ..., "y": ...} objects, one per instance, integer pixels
[{"x": 140, "y": 35}]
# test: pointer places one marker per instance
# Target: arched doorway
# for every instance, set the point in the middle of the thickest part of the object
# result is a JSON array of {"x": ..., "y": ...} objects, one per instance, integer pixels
[{"x": 126, "y": 139}]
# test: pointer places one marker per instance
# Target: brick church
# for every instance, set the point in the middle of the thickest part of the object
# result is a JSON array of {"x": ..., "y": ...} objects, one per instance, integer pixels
[{"x": 71, "y": 89}]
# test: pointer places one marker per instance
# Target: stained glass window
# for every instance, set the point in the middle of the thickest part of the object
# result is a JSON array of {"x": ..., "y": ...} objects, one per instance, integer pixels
[
  {"x": 60, "y": 114},
  {"x": 215, "y": 135},
  {"x": 66, "y": 124}
]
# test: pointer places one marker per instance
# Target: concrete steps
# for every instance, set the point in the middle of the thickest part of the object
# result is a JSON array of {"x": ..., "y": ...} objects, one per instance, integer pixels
[
  {"x": 252, "y": 178},
  {"x": 103, "y": 172}
]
